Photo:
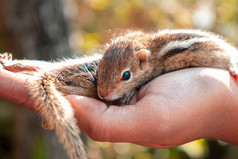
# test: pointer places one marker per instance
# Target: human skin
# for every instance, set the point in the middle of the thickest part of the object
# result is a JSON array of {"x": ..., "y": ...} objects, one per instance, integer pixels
[{"x": 173, "y": 109}]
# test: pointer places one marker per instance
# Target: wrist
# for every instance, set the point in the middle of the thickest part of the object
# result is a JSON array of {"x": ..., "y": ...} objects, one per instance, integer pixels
[{"x": 222, "y": 111}]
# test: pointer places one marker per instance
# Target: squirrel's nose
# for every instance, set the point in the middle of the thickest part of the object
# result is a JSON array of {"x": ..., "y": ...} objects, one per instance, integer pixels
[{"x": 102, "y": 93}]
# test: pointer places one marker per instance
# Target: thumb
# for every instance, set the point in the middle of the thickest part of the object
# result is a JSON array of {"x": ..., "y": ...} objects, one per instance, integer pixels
[{"x": 103, "y": 123}]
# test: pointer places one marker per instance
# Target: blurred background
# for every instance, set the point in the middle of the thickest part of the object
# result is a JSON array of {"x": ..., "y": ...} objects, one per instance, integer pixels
[{"x": 53, "y": 29}]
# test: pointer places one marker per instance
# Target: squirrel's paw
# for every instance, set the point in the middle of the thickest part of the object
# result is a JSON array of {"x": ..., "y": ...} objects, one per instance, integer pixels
[
  {"x": 234, "y": 72},
  {"x": 6, "y": 56},
  {"x": 5, "y": 59}
]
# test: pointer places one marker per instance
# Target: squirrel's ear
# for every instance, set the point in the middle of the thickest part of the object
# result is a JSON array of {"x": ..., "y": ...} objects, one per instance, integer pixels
[{"x": 143, "y": 54}]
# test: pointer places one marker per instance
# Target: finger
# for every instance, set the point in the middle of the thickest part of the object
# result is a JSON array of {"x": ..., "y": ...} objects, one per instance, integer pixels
[
  {"x": 153, "y": 145},
  {"x": 13, "y": 87},
  {"x": 104, "y": 123}
]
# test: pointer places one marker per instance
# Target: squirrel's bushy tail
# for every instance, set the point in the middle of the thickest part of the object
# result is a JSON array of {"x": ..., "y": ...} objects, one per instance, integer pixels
[{"x": 58, "y": 113}]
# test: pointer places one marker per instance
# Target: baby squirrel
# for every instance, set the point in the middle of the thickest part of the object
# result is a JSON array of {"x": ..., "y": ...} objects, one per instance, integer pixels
[
  {"x": 133, "y": 59},
  {"x": 54, "y": 81}
]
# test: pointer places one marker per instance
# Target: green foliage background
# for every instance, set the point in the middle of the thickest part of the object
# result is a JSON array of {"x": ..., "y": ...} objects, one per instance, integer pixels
[{"x": 92, "y": 22}]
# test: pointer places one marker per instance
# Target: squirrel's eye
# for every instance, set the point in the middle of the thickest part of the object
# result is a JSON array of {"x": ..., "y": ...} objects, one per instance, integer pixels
[{"x": 126, "y": 76}]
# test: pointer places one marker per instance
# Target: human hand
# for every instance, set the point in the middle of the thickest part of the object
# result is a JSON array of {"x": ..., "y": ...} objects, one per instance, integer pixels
[{"x": 172, "y": 109}]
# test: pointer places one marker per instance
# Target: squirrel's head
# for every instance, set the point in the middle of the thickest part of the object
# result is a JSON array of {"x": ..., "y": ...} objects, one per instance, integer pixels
[{"x": 121, "y": 68}]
